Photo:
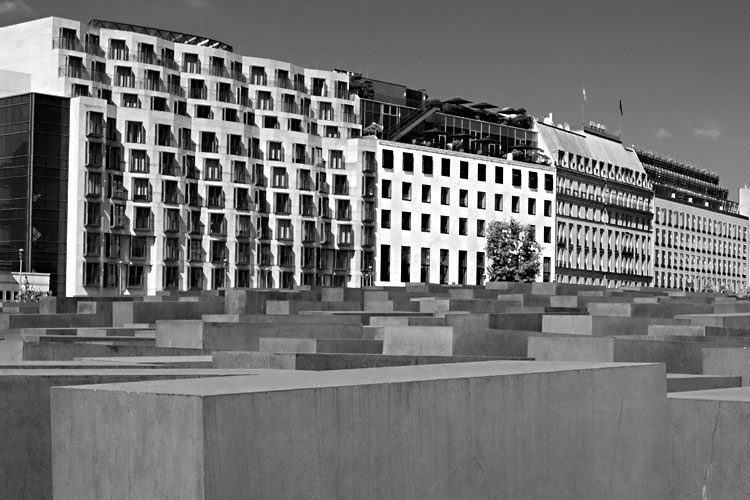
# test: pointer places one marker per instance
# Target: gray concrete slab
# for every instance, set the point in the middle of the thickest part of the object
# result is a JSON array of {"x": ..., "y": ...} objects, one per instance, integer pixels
[{"x": 430, "y": 431}]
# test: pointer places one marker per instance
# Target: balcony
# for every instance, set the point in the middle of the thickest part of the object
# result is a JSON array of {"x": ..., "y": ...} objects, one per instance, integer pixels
[
  {"x": 343, "y": 94},
  {"x": 155, "y": 85},
  {"x": 218, "y": 229},
  {"x": 341, "y": 189},
  {"x": 349, "y": 117},
  {"x": 172, "y": 198},
  {"x": 215, "y": 201},
  {"x": 289, "y": 107},
  {"x": 258, "y": 79},
  {"x": 308, "y": 210},
  {"x": 219, "y": 70},
  {"x": 369, "y": 215},
  {"x": 243, "y": 205},
  {"x": 344, "y": 213},
  {"x": 144, "y": 223}
]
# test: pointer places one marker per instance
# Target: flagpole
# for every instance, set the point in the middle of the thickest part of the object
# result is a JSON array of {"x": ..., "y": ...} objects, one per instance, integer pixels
[{"x": 583, "y": 106}]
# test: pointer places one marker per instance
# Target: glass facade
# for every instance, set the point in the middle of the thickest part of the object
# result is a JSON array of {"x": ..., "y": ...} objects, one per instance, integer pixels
[{"x": 33, "y": 184}]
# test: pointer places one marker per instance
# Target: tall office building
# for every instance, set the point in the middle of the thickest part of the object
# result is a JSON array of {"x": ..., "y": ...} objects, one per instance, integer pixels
[
  {"x": 700, "y": 237},
  {"x": 33, "y": 185}
]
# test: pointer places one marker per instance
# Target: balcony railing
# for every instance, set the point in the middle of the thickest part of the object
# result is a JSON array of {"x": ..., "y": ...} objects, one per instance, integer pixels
[{"x": 283, "y": 208}]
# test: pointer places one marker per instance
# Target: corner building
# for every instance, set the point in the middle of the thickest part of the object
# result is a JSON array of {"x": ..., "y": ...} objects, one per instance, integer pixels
[
  {"x": 700, "y": 237},
  {"x": 192, "y": 167},
  {"x": 604, "y": 209}
]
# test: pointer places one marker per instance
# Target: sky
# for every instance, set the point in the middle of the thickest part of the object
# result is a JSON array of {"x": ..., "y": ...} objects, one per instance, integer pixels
[{"x": 679, "y": 67}]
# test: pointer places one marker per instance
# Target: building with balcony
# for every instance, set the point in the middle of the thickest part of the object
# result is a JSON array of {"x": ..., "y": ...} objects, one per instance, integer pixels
[
  {"x": 604, "y": 212},
  {"x": 188, "y": 166},
  {"x": 700, "y": 236}
]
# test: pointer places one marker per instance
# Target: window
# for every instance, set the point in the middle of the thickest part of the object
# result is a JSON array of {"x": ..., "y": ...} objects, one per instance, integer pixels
[
  {"x": 385, "y": 219},
  {"x": 139, "y": 248},
  {"x": 159, "y": 104},
  {"x": 516, "y": 179},
  {"x": 498, "y": 175},
  {"x": 130, "y": 101},
  {"x": 480, "y": 268},
  {"x": 336, "y": 159},
  {"x": 463, "y": 198},
  {"x": 547, "y": 234},
  {"x": 386, "y": 189},
  {"x": 481, "y": 200},
  {"x": 408, "y": 162},
  {"x": 425, "y": 223},
  {"x": 171, "y": 277},
  {"x": 498, "y": 203},
  {"x": 279, "y": 178},
  {"x": 93, "y": 184},
  {"x": 203, "y": 111},
  {"x": 135, "y": 276},
  {"x": 445, "y": 167},
  {"x": 515, "y": 206},
  {"x": 91, "y": 274},
  {"x": 481, "y": 172},
  {"x": 462, "y": 265},
  {"x": 93, "y": 244},
  {"x": 141, "y": 190},
  {"x": 533, "y": 180},
  {"x": 388, "y": 159},
  {"x": 444, "y": 224},
  {"x": 532, "y": 206},
  {"x": 480, "y": 228},
  {"x": 135, "y": 132},
  {"x": 209, "y": 143},
  {"x": 547, "y": 208},
  {"x": 284, "y": 229},
  {"x": 426, "y": 194},
  {"x": 463, "y": 225},
  {"x": 549, "y": 182},
  {"x": 424, "y": 268},
  {"x": 406, "y": 221},
  {"x": 212, "y": 169},
  {"x": 445, "y": 196},
  {"x": 405, "y": 264},
  {"x": 275, "y": 151},
  {"x": 427, "y": 165},
  {"x": 444, "y": 255},
  {"x": 385, "y": 263},
  {"x": 406, "y": 191},
  {"x": 463, "y": 171}
]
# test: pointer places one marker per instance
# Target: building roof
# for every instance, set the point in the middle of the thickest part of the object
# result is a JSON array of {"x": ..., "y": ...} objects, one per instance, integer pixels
[
  {"x": 588, "y": 145},
  {"x": 172, "y": 36}
]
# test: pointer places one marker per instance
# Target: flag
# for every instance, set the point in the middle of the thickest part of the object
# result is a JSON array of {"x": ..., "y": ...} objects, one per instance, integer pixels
[
  {"x": 584, "y": 92},
  {"x": 620, "y": 107}
]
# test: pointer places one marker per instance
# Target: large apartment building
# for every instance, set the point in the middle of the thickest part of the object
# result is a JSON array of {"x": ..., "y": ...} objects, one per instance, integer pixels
[
  {"x": 192, "y": 166},
  {"x": 700, "y": 237}
]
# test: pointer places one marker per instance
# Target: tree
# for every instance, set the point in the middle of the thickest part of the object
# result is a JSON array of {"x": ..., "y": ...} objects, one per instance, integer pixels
[
  {"x": 29, "y": 293},
  {"x": 513, "y": 253}
]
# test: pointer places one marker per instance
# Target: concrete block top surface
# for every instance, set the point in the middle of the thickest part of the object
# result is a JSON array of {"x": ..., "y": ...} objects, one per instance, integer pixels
[
  {"x": 280, "y": 380},
  {"x": 736, "y": 394},
  {"x": 61, "y": 373}
]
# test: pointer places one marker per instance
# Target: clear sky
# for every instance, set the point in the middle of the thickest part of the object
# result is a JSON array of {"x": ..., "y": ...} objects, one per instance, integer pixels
[{"x": 679, "y": 66}]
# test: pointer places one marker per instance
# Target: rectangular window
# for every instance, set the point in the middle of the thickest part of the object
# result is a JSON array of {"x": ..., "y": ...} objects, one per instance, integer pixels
[
  {"x": 480, "y": 228},
  {"x": 444, "y": 224},
  {"x": 406, "y": 191},
  {"x": 425, "y": 223},
  {"x": 463, "y": 170},
  {"x": 547, "y": 208},
  {"x": 405, "y": 264},
  {"x": 498, "y": 175},
  {"x": 516, "y": 179},
  {"x": 463, "y": 197},
  {"x": 533, "y": 180},
  {"x": 462, "y": 265},
  {"x": 463, "y": 225},
  {"x": 135, "y": 276},
  {"x": 515, "y": 206},
  {"x": 386, "y": 189},
  {"x": 406, "y": 221},
  {"x": 549, "y": 182},
  {"x": 498, "y": 203},
  {"x": 427, "y": 165},
  {"x": 93, "y": 184},
  {"x": 385, "y": 219},
  {"x": 212, "y": 169},
  {"x": 532, "y": 206},
  {"x": 444, "y": 255},
  {"x": 481, "y": 200},
  {"x": 445, "y": 196},
  {"x": 424, "y": 268},
  {"x": 387, "y": 159},
  {"x": 480, "y": 268},
  {"x": 481, "y": 172},
  {"x": 547, "y": 234},
  {"x": 385, "y": 263},
  {"x": 408, "y": 162},
  {"x": 445, "y": 167},
  {"x": 426, "y": 194}
]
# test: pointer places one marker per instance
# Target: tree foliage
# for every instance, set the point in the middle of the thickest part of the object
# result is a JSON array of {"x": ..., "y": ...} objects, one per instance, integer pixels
[
  {"x": 513, "y": 253},
  {"x": 28, "y": 293}
]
